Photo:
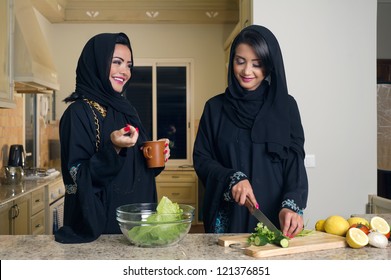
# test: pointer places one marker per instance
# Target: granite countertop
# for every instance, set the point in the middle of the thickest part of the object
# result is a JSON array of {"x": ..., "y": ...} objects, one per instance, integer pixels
[
  {"x": 192, "y": 247},
  {"x": 12, "y": 192}
]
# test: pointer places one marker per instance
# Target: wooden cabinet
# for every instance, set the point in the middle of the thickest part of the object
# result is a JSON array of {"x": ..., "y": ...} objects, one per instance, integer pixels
[
  {"x": 179, "y": 186},
  {"x": 37, "y": 212},
  {"x": 6, "y": 56},
  {"x": 245, "y": 19},
  {"x": 21, "y": 215},
  {"x": 5, "y": 218},
  {"x": 15, "y": 216},
  {"x": 245, "y": 16}
]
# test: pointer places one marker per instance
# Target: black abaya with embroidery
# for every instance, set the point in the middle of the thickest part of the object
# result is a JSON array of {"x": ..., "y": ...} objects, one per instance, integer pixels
[
  {"x": 97, "y": 181},
  {"x": 266, "y": 147}
]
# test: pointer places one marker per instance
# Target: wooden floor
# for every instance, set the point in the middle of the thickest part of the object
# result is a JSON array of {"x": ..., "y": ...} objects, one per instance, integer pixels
[{"x": 197, "y": 228}]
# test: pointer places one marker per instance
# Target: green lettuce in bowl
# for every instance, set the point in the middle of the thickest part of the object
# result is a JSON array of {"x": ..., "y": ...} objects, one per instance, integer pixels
[{"x": 151, "y": 225}]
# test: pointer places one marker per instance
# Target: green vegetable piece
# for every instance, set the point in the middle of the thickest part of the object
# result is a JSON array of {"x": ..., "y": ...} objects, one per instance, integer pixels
[
  {"x": 260, "y": 240},
  {"x": 263, "y": 235},
  {"x": 281, "y": 240},
  {"x": 160, "y": 234}
]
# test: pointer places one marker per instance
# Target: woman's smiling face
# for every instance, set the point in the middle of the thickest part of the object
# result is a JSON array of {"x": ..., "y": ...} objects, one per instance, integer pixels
[
  {"x": 247, "y": 67},
  {"x": 121, "y": 64}
]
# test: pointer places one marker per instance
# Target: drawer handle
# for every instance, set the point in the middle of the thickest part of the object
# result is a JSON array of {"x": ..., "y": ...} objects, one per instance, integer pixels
[
  {"x": 175, "y": 176},
  {"x": 37, "y": 200},
  {"x": 175, "y": 193},
  {"x": 37, "y": 225}
]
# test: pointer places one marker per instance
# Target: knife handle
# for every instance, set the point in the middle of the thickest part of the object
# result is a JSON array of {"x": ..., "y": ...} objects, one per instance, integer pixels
[{"x": 249, "y": 205}]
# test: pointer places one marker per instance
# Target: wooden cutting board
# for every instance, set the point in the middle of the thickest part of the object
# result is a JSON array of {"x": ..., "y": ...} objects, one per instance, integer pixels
[{"x": 314, "y": 242}]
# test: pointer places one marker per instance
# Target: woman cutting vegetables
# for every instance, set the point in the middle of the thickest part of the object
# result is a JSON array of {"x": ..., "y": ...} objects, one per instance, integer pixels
[{"x": 250, "y": 142}]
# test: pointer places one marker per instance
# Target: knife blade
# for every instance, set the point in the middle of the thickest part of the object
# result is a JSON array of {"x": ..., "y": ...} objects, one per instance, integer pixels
[{"x": 262, "y": 218}]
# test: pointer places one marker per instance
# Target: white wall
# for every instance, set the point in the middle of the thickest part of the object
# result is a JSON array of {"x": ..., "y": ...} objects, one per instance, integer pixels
[{"x": 329, "y": 49}]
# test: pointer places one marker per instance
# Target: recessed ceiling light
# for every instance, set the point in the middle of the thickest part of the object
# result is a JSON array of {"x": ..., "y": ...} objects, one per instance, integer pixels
[
  {"x": 212, "y": 14},
  {"x": 152, "y": 14},
  {"x": 92, "y": 14}
]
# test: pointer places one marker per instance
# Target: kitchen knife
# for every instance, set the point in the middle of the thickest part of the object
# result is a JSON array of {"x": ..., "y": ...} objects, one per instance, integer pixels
[{"x": 262, "y": 218}]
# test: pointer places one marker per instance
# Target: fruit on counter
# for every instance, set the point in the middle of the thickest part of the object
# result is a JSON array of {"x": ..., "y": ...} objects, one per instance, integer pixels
[
  {"x": 358, "y": 220},
  {"x": 380, "y": 225},
  {"x": 319, "y": 226},
  {"x": 356, "y": 238},
  {"x": 336, "y": 225},
  {"x": 377, "y": 239},
  {"x": 363, "y": 227}
]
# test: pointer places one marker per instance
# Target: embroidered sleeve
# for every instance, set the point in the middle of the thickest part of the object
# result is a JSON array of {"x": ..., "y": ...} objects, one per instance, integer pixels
[
  {"x": 234, "y": 179},
  {"x": 291, "y": 204},
  {"x": 72, "y": 188}
]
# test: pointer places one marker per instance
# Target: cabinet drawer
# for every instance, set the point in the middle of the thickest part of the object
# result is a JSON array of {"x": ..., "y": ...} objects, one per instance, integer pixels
[
  {"x": 38, "y": 223},
  {"x": 176, "y": 177},
  {"x": 180, "y": 193},
  {"x": 37, "y": 201}
]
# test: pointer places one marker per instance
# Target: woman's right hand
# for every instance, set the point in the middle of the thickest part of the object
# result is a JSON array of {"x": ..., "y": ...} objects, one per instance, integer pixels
[
  {"x": 243, "y": 192},
  {"x": 124, "y": 138}
]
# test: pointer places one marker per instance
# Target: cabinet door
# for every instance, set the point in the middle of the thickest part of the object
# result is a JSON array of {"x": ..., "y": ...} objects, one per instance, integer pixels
[
  {"x": 22, "y": 214},
  {"x": 5, "y": 218},
  {"x": 245, "y": 13},
  {"x": 6, "y": 47},
  {"x": 178, "y": 192},
  {"x": 37, "y": 201},
  {"x": 38, "y": 223}
]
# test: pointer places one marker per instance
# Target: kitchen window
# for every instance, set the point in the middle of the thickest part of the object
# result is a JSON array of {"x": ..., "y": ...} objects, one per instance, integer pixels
[{"x": 161, "y": 93}]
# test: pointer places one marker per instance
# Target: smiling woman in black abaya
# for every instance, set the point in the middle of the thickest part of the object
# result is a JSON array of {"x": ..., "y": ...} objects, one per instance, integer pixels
[{"x": 101, "y": 137}]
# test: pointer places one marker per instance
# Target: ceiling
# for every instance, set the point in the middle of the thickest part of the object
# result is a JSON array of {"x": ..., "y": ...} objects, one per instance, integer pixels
[{"x": 139, "y": 11}]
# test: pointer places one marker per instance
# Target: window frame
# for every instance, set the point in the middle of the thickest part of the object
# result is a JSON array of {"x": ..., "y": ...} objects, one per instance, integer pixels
[{"x": 190, "y": 130}]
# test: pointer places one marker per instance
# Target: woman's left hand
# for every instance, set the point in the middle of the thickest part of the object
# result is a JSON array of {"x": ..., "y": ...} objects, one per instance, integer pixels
[
  {"x": 166, "y": 148},
  {"x": 291, "y": 222}
]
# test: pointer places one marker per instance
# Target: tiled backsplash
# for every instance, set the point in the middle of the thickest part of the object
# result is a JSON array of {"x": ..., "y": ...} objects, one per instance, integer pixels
[
  {"x": 11, "y": 132},
  {"x": 11, "y": 128}
]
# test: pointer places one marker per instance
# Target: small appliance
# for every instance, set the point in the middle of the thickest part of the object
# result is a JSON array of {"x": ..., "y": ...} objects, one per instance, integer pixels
[{"x": 17, "y": 156}]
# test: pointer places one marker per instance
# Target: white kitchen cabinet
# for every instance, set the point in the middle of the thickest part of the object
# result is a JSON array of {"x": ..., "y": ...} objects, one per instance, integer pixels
[
  {"x": 6, "y": 57},
  {"x": 179, "y": 186}
]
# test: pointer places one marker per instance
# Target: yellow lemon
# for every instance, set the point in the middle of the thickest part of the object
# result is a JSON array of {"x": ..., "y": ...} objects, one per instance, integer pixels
[
  {"x": 336, "y": 225},
  {"x": 356, "y": 238},
  {"x": 319, "y": 226},
  {"x": 358, "y": 220},
  {"x": 380, "y": 225}
]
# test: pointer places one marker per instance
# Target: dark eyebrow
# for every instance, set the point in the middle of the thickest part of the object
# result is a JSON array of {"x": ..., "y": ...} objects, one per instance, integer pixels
[
  {"x": 238, "y": 56},
  {"x": 118, "y": 58}
]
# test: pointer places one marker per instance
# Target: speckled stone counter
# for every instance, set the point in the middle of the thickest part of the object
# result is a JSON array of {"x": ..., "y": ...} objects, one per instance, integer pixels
[
  {"x": 193, "y": 247},
  {"x": 12, "y": 192}
]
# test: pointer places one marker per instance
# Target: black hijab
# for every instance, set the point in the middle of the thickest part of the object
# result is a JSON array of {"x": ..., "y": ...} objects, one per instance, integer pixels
[
  {"x": 269, "y": 111},
  {"x": 93, "y": 69},
  {"x": 93, "y": 83}
]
